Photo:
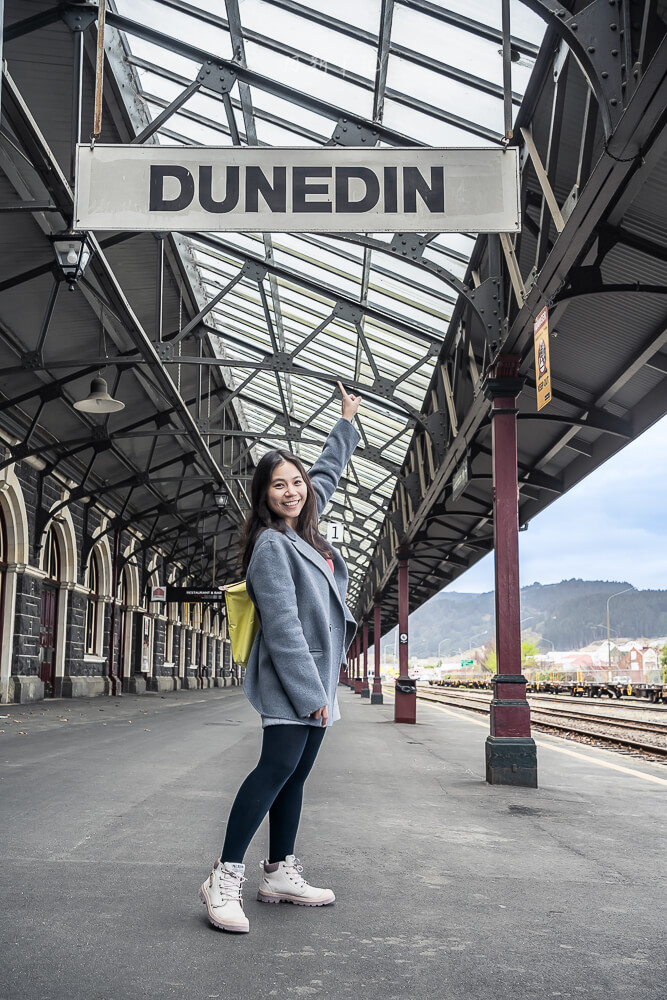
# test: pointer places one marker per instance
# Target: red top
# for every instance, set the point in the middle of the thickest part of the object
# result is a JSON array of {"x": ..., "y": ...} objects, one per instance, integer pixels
[{"x": 330, "y": 563}]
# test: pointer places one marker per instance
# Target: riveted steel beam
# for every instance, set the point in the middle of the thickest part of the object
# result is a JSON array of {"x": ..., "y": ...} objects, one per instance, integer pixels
[{"x": 57, "y": 185}]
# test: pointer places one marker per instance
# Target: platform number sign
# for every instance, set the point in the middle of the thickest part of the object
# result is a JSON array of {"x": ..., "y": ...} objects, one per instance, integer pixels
[
  {"x": 403, "y": 638},
  {"x": 335, "y": 532},
  {"x": 542, "y": 363}
]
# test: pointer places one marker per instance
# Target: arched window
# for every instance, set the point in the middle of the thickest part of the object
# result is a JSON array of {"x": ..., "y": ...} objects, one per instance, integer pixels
[
  {"x": 92, "y": 582},
  {"x": 52, "y": 556},
  {"x": 123, "y": 588}
]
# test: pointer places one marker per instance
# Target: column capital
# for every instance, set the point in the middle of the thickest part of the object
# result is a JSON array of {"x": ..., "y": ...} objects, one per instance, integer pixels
[{"x": 502, "y": 378}]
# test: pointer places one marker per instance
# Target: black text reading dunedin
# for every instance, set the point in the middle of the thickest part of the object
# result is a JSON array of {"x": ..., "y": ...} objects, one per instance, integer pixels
[{"x": 335, "y": 190}]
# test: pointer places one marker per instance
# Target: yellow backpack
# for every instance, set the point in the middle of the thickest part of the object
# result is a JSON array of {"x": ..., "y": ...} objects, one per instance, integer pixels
[{"x": 242, "y": 621}]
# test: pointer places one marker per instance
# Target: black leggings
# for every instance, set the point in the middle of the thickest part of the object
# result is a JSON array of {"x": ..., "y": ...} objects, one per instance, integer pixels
[{"x": 275, "y": 786}]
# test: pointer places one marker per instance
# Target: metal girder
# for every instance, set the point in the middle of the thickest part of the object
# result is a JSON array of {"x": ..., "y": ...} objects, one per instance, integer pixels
[
  {"x": 264, "y": 83},
  {"x": 277, "y": 334},
  {"x": 409, "y": 247},
  {"x": 352, "y": 31},
  {"x": 384, "y": 41},
  {"x": 58, "y": 186},
  {"x": 635, "y": 132},
  {"x": 592, "y": 35},
  {"x": 211, "y": 76},
  {"x": 47, "y": 167},
  {"x": 30, "y": 24},
  {"x": 320, "y": 288},
  {"x": 279, "y": 362},
  {"x": 164, "y": 508},
  {"x": 338, "y": 72},
  {"x": 216, "y": 126},
  {"x": 145, "y": 478}
]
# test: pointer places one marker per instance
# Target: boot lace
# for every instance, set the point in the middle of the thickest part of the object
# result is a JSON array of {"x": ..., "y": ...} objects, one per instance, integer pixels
[
  {"x": 230, "y": 885},
  {"x": 293, "y": 872}
]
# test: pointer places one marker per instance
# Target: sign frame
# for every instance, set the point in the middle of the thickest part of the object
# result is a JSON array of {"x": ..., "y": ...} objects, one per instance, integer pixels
[{"x": 255, "y": 189}]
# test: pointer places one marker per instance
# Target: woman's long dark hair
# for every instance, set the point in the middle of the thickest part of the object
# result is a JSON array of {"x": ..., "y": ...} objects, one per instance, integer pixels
[{"x": 261, "y": 516}]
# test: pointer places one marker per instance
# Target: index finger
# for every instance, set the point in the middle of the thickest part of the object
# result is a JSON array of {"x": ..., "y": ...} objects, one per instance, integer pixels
[{"x": 341, "y": 387}]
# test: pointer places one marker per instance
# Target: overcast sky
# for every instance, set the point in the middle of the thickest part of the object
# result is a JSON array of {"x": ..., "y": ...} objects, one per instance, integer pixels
[{"x": 612, "y": 526}]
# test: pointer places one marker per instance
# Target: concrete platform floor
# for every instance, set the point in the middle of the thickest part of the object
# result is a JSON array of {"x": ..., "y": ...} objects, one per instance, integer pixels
[{"x": 445, "y": 887}]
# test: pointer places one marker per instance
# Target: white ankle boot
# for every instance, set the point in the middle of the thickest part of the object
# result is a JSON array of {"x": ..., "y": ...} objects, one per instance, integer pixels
[
  {"x": 221, "y": 894},
  {"x": 282, "y": 882}
]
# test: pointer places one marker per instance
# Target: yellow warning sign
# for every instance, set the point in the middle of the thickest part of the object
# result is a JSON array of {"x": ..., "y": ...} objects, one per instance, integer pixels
[{"x": 542, "y": 365}]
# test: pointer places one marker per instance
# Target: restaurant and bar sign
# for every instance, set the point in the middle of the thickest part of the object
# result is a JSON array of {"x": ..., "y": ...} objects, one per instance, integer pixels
[
  {"x": 194, "y": 595},
  {"x": 325, "y": 189}
]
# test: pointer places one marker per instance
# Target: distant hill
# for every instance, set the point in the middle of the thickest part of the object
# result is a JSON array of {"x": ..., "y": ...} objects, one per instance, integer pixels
[{"x": 569, "y": 614}]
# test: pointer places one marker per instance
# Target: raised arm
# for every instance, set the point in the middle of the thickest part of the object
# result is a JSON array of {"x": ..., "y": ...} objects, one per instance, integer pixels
[{"x": 336, "y": 453}]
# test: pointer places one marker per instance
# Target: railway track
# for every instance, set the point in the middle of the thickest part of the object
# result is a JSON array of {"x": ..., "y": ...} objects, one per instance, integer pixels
[{"x": 605, "y": 728}]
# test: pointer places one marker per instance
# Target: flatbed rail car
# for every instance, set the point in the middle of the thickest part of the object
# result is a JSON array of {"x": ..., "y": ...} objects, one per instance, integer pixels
[{"x": 653, "y": 692}]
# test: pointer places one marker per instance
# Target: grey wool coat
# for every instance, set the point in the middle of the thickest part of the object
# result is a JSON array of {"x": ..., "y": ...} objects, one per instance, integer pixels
[{"x": 305, "y": 624}]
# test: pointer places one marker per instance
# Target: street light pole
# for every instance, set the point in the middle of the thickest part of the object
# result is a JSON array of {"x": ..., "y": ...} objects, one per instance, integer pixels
[
  {"x": 617, "y": 594},
  {"x": 484, "y": 630}
]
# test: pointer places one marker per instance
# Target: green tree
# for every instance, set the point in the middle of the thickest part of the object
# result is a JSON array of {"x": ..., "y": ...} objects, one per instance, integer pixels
[
  {"x": 528, "y": 653},
  {"x": 488, "y": 658}
]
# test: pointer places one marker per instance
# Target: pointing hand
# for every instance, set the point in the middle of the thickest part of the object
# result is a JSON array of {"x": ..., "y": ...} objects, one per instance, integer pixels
[{"x": 350, "y": 403}]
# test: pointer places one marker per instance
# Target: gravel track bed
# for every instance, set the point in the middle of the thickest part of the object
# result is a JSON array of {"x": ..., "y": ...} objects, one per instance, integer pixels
[{"x": 639, "y": 737}]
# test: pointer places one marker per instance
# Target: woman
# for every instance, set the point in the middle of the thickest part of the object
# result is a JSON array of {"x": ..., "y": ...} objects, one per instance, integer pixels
[{"x": 297, "y": 583}]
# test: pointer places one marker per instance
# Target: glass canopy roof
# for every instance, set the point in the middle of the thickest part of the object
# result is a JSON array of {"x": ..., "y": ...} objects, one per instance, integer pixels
[{"x": 429, "y": 73}]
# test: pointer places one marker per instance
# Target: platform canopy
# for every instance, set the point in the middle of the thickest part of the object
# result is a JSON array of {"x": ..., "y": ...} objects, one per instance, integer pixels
[{"x": 225, "y": 344}]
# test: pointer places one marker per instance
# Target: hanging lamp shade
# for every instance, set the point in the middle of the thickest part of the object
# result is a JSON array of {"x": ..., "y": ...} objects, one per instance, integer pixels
[{"x": 98, "y": 399}]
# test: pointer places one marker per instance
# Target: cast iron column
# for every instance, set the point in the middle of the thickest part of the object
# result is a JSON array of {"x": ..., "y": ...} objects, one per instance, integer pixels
[
  {"x": 511, "y": 755},
  {"x": 365, "y": 691},
  {"x": 376, "y": 696},
  {"x": 405, "y": 705},
  {"x": 357, "y": 672}
]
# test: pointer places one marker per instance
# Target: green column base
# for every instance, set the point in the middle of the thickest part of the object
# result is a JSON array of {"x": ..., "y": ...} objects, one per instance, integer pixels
[
  {"x": 377, "y": 698},
  {"x": 511, "y": 761}
]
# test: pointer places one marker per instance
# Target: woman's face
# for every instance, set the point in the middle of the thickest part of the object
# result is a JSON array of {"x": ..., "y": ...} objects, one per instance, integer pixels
[{"x": 287, "y": 493}]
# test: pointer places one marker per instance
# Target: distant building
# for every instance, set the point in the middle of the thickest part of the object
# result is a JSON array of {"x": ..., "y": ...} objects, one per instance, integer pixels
[{"x": 639, "y": 662}]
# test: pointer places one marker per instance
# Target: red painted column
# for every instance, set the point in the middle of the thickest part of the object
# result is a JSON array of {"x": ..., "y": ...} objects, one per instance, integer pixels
[
  {"x": 357, "y": 673},
  {"x": 511, "y": 755},
  {"x": 365, "y": 690},
  {"x": 376, "y": 695},
  {"x": 405, "y": 705}
]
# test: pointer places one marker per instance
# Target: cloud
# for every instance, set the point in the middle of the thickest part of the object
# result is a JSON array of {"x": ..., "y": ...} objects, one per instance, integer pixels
[{"x": 611, "y": 526}]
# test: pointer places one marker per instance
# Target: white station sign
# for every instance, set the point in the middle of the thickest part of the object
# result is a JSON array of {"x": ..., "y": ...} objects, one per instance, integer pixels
[{"x": 325, "y": 189}]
